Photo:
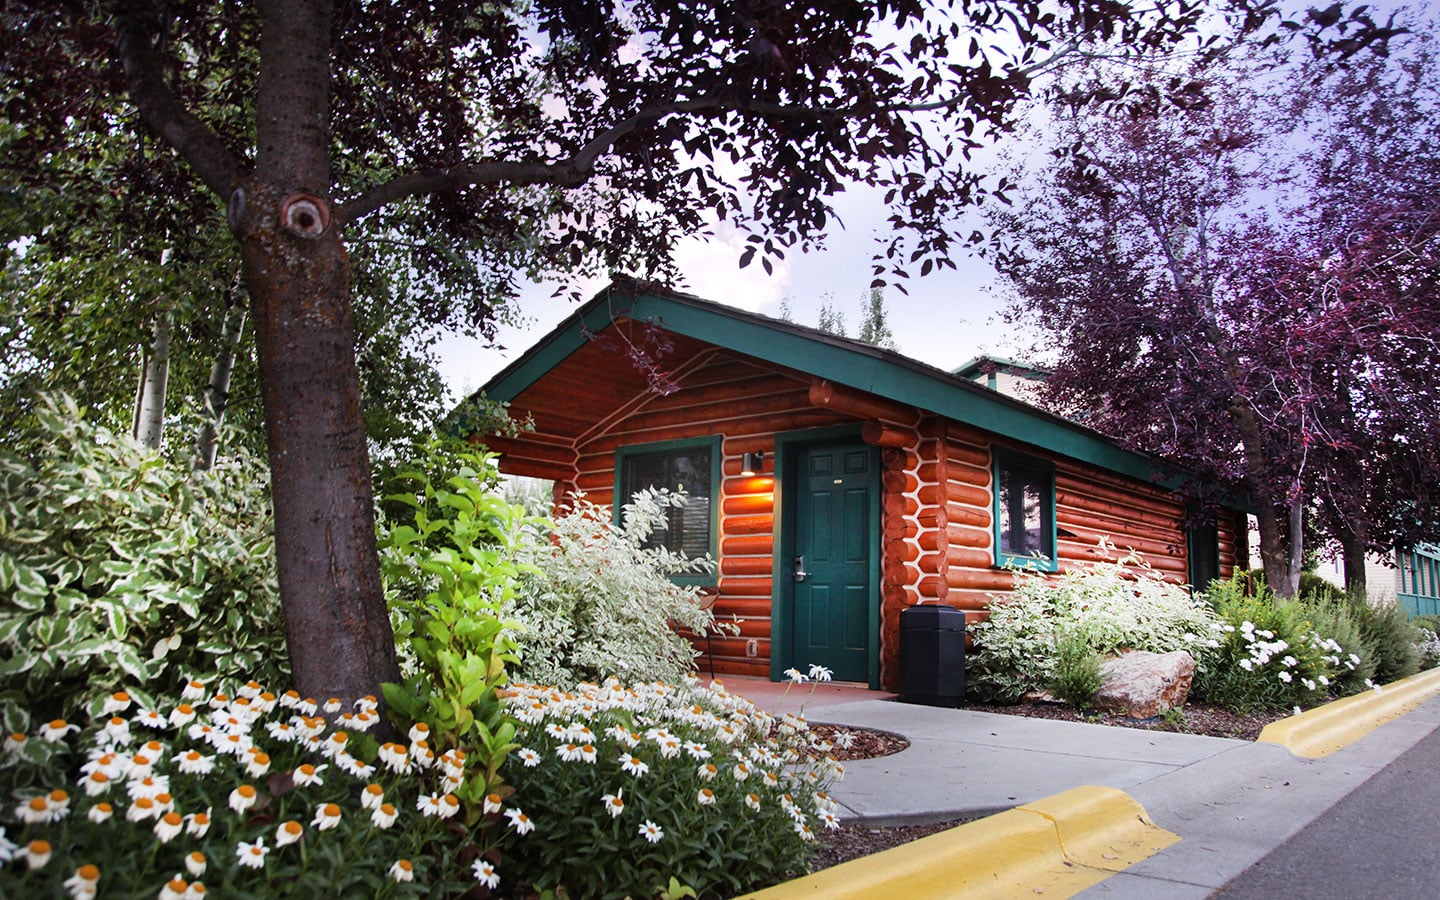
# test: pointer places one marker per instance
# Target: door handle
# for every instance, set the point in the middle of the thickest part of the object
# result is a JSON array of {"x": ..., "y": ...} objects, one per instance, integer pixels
[{"x": 800, "y": 573}]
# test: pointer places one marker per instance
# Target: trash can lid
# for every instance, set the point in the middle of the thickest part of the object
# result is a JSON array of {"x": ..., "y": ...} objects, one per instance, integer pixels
[{"x": 932, "y": 616}]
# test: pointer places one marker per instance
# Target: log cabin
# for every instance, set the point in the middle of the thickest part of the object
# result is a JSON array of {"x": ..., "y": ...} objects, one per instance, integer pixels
[{"x": 833, "y": 483}]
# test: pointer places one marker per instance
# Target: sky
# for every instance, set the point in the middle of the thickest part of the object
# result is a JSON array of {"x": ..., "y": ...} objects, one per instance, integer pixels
[{"x": 946, "y": 319}]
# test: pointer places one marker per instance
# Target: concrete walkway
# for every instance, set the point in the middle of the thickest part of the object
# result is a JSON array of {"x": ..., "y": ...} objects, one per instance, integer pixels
[{"x": 1230, "y": 801}]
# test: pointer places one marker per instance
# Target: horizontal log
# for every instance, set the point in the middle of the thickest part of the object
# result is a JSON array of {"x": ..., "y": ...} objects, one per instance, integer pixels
[
  {"x": 717, "y": 412},
  {"x": 530, "y": 469},
  {"x": 532, "y": 450},
  {"x": 970, "y": 557},
  {"x": 693, "y": 393},
  {"x": 748, "y": 504},
  {"x": 881, "y": 434},
  {"x": 966, "y": 515},
  {"x": 747, "y": 545},
  {"x": 758, "y": 667},
  {"x": 980, "y": 476},
  {"x": 862, "y": 405},
  {"x": 730, "y": 608},
  {"x": 932, "y": 563},
  {"x": 968, "y": 454},
  {"x": 966, "y": 536},
  {"x": 968, "y": 601},
  {"x": 967, "y": 495},
  {"x": 736, "y": 525},
  {"x": 1137, "y": 497},
  {"x": 746, "y": 565},
  {"x": 744, "y": 587},
  {"x": 737, "y": 445},
  {"x": 980, "y": 579}
]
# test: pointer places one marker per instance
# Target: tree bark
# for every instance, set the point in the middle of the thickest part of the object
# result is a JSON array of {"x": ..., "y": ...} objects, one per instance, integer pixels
[
  {"x": 337, "y": 627},
  {"x": 216, "y": 396},
  {"x": 149, "y": 424},
  {"x": 1352, "y": 553}
]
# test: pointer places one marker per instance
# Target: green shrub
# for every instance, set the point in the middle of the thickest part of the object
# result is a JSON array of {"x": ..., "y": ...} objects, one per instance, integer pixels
[
  {"x": 1268, "y": 654},
  {"x": 631, "y": 785},
  {"x": 1116, "y": 605},
  {"x": 1314, "y": 589},
  {"x": 115, "y": 563},
  {"x": 1077, "y": 670},
  {"x": 1353, "y": 663},
  {"x": 1387, "y": 630},
  {"x": 596, "y": 602},
  {"x": 449, "y": 575}
]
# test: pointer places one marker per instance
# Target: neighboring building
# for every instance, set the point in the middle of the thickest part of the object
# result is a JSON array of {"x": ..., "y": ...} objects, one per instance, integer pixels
[
  {"x": 834, "y": 483},
  {"x": 1410, "y": 576},
  {"x": 1008, "y": 376}
]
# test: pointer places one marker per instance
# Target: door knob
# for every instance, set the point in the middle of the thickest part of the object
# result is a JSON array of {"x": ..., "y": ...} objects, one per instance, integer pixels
[{"x": 800, "y": 573}]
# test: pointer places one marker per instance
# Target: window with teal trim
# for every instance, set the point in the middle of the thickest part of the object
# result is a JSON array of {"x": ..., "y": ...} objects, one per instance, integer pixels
[
  {"x": 1024, "y": 511},
  {"x": 691, "y": 467}
]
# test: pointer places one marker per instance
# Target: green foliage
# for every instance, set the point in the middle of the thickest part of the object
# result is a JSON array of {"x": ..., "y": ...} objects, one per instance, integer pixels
[
  {"x": 1314, "y": 589},
  {"x": 1390, "y": 636},
  {"x": 595, "y": 601},
  {"x": 1336, "y": 617},
  {"x": 1077, "y": 670},
  {"x": 114, "y": 563},
  {"x": 733, "y": 798},
  {"x": 1115, "y": 605},
  {"x": 94, "y": 824},
  {"x": 449, "y": 575},
  {"x": 1267, "y": 655}
]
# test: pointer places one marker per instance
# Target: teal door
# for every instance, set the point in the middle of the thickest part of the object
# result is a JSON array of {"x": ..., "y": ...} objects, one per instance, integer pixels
[{"x": 833, "y": 566}]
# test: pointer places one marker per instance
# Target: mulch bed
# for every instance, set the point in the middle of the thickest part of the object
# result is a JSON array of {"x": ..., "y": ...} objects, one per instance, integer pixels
[{"x": 852, "y": 841}]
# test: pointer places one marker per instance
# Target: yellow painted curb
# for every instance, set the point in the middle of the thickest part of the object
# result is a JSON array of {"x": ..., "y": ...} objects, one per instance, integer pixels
[
  {"x": 1325, "y": 729},
  {"x": 1058, "y": 846}
]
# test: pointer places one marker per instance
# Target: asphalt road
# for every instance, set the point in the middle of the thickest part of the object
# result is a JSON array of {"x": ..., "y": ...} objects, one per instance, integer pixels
[{"x": 1379, "y": 841}]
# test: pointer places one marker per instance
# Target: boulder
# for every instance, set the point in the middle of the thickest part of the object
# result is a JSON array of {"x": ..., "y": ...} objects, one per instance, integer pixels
[{"x": 1141, "y": 684}]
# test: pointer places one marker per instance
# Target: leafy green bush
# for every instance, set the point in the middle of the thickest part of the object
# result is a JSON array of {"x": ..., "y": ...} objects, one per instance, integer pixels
[
  {"x": 1116, "y": 605},
  {"x": 1268, "y": 654},
  {"x": 1387, "y": 630},
  {"x": 630, "y": 785},
  {"x": 1077, "y": 670},
  {"x": 595, "y": 601},
  {"x": 1353, "y": 664},
  {"x": 113, "y": 561},
  {"x": 449, "y": 573},
  {"x": 1314, "y": 589},
  {"x": 1427, "y": 648}
]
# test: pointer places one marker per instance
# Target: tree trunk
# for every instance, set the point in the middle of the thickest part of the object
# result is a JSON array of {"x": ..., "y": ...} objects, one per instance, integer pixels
[
  {"x": 1274, "y": 559},
  {"x": 149, "y": 423},
  {"x": 1352, "y": 553},
  {"x": 217, "y": 391},
  {"x": 336, "y": 624},
  {"x": 1297, "y": 545}
]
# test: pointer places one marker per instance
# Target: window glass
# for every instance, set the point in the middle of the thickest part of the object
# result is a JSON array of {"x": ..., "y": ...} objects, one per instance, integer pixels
[
  {"x": 688, "y": 469},
  {"x": 1024, "y": 510}
]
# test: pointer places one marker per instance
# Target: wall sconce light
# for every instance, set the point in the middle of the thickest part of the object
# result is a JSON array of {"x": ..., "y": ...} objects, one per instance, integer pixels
[{"x": 752, "y": 463}]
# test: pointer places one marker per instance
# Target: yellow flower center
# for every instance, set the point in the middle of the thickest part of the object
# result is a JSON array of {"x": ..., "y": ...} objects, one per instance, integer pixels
[{"x": 88, "y": 872}]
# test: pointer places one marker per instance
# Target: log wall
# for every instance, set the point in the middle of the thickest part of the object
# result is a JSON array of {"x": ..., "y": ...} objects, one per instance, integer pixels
[{"x": 937, "y": 534}]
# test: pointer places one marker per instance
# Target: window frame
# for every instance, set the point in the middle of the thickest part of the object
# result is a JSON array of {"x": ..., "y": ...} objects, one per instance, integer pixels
[
  {"x": 1002, "y": 459},
  {"x": 676, "y": 447}
]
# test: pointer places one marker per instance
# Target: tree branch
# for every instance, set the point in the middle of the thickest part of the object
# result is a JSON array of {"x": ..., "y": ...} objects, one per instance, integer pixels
[{"x": 192, "y": 139}]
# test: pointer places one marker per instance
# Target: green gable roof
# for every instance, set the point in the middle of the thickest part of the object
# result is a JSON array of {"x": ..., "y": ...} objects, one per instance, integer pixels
[{"x": 840, "y": 360}]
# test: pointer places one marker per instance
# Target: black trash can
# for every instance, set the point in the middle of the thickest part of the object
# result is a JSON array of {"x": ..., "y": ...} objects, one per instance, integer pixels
[{"x": 932, "y": 655}]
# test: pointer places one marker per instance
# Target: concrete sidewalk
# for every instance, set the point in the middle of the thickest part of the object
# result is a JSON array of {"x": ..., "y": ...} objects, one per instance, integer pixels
[{"x": 1229, "y": 801}]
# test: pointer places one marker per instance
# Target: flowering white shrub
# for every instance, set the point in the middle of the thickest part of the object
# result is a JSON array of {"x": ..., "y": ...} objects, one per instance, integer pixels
[
  {"x": 596, "y": 602},
  {"x": 1116, "y": 605},
  {"x": 1268, "y": 654},
  {"x": 628, "y": 786}
]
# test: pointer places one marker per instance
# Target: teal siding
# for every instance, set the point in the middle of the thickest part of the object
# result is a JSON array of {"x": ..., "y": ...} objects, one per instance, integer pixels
[{"x": 1417, "y": 580}]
